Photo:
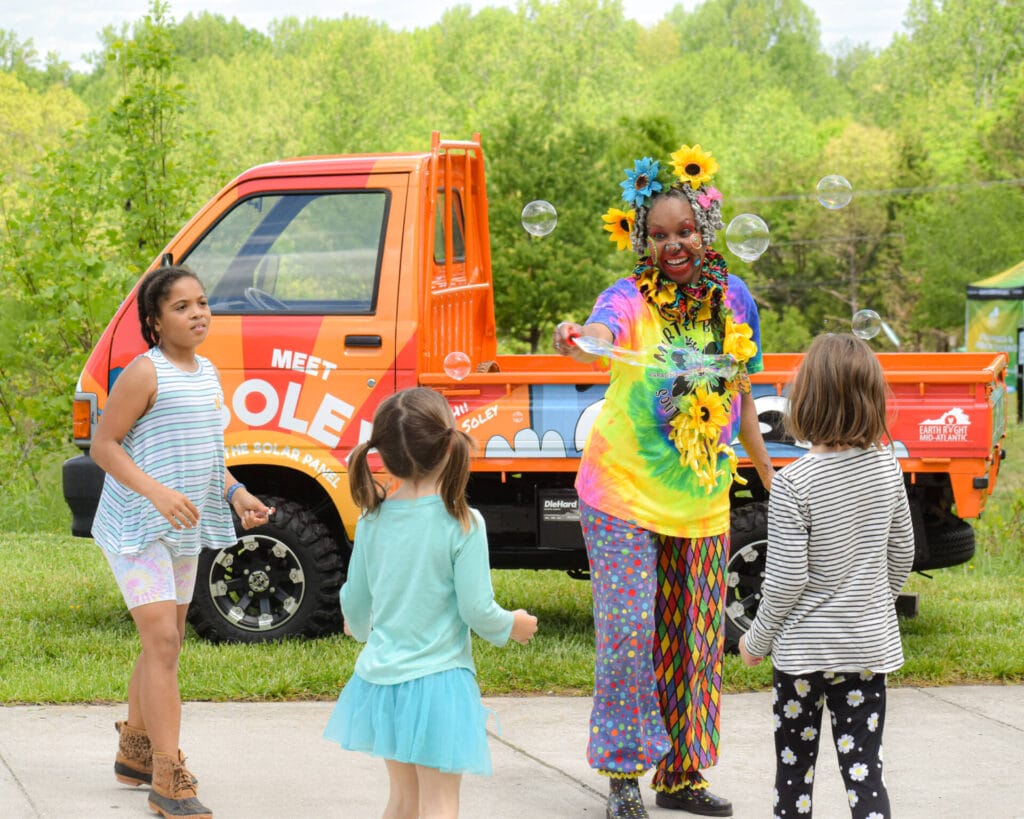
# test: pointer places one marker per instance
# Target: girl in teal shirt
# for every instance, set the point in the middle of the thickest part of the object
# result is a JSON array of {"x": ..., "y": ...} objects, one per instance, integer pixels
[{"x": 418, "y": 581}]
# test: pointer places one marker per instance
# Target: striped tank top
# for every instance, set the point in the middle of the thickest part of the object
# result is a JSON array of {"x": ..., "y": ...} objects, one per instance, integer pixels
[{"x": 179, "y": 442}]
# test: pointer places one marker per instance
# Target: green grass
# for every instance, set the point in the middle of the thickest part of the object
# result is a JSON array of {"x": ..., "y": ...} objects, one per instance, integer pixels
[{"x": 66, "y": 636}]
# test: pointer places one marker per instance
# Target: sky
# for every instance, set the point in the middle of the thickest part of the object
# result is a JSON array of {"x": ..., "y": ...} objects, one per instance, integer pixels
[{"x": 71, "y": 27}]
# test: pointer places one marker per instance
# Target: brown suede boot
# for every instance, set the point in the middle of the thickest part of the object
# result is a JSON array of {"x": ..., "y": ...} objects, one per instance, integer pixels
[
  {"x": 133, "y": 764},
  {"x": 173, "y": 794}
]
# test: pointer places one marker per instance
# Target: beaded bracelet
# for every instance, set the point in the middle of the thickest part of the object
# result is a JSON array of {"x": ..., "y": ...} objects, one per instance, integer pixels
[{"x": 232, "y": 489}]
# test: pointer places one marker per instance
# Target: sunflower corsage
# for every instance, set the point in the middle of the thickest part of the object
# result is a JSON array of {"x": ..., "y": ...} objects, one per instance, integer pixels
[{"x": 696, "y": 430}]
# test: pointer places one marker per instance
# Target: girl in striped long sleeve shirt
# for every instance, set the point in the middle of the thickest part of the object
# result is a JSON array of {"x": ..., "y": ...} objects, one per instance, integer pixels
[{"x": 840, "y": 547}]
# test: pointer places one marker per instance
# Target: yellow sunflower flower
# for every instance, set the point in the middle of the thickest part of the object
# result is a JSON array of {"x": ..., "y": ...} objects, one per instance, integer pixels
[
  {"x": 700, "y": 452},
  {"x": 705, "y": 412},
  {"x": 619, "y": 223},
  {"x": 737, "y": 341},
  {"x": 694, "y": 165}
]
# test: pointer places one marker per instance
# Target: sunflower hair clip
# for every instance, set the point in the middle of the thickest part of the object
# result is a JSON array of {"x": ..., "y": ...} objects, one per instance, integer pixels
[{"x": 694, "y": 166}]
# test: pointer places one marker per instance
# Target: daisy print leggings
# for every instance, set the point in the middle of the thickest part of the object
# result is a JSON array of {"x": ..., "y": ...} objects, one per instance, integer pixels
[{"x": 856, "y": 702}]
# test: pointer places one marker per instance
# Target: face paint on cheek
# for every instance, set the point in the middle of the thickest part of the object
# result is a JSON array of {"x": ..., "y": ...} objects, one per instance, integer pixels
[{"x": 652, "y": 251}]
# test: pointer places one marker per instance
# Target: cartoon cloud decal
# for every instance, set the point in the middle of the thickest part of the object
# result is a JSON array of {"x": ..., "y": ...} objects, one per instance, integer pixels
[{"x": 526, "y": 445}]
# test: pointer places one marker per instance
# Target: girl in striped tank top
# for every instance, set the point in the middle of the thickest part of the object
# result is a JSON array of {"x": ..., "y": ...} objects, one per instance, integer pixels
[{"x": 166, "y": 497}]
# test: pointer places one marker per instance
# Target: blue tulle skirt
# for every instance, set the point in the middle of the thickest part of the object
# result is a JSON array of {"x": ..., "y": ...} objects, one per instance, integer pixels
[{"x": 436, "y": 721}]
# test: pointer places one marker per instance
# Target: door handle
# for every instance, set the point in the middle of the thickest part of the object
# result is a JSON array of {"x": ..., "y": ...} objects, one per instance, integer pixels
[{"x": 363, "y": 341}]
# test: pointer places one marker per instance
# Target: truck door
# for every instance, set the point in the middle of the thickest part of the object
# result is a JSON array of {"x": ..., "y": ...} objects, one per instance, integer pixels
[{"x": 303, "y": 282}]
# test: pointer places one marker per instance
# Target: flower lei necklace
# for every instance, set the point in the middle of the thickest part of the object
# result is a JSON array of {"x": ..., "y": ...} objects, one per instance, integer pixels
[
  {"x": 683, "y": 304},
  {"x": 696, "y": 430}
]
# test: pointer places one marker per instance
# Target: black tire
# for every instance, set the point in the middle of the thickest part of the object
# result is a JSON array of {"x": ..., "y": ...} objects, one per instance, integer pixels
[
  {"x": 279, "y": 580},
  {"x": 949, "y": 544},
  {"x": 748, "y": 547}
]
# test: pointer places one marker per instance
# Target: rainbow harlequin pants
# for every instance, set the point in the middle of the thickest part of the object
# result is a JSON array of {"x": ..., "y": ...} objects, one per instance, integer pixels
[
  {"x": 688, "y": 651},
  {"x": 657, "y": 606}
]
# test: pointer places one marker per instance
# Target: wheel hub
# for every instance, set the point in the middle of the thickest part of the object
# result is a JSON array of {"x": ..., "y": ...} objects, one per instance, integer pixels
[
  {"x": 259, "y": 581},
  {"x": 258, "y": 584}
]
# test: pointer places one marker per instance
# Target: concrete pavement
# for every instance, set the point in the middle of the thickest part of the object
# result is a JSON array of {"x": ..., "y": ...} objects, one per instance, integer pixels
[{"x": 950, "y": 753}]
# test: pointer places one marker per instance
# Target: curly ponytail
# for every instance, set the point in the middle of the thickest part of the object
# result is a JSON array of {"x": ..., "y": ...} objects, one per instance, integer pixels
[
  {"x": 367, "y": 492},
  {"x": 456, "y": 476}
]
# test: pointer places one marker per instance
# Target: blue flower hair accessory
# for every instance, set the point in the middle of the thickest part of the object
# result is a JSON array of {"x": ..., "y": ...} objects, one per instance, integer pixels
[{"x": 641, "y": 183}]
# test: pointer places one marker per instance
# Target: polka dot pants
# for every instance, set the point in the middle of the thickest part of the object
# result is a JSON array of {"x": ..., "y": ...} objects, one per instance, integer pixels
[
  {"x": 856, "y": 702},
  {"x": 627, "y": 732}
]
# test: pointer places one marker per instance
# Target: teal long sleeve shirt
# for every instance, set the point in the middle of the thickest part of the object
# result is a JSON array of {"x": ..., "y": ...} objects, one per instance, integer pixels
[{"x": 417, "y": 583}]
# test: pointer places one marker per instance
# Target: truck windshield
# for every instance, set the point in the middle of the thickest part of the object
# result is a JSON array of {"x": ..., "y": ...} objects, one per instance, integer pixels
[{"x": 296, "y": 253}]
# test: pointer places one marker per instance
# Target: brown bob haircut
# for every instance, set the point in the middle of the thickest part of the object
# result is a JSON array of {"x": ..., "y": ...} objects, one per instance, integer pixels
[{"x": 839, "y": 394}]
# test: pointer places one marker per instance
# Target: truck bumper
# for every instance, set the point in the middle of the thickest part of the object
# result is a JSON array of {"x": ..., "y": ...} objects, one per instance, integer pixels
[{"x": 83, "y": 482}]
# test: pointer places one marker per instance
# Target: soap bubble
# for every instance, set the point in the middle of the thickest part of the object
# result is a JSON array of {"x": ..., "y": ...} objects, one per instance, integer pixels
[
  {"x": 456, "y": 365},
  {"x": 539, "y": 218},
  {"x": 834, "y": 191},
  {"x": 747, "y": 236},
  {"x": 866, "y": 324}
]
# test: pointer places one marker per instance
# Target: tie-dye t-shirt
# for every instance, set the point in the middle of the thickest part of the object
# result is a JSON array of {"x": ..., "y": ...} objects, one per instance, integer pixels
[{"x": 630, "y": 466}]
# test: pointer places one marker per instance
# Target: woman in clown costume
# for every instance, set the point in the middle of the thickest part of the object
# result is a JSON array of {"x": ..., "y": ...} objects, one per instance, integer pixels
[{"x": 654, "y": 484}]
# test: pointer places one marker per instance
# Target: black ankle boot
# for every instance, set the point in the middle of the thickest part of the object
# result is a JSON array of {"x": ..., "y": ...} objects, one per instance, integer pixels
[{"x": 624, "y": 800}]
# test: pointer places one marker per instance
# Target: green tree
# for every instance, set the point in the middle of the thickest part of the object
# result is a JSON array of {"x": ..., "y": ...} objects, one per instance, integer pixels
[
  {"x": 255, "y": 109},
  {"x": 96, "y": 209},
  {"x": 955, "y": 237},
  {"x": 149, "y": 130},
  {"x": 977, "y": 40},
  {"x": 539, "y": 281},
  {"x": 206, "y": 36},
  {"x": 364, "y": 91},
  {"x": 31, "y": 122},
  {"x": 60, "y": 283},
  {"x": 781, "y": 38},
  {"x": 784, "y": 331},
  {"x": 1002, "y": 132}
]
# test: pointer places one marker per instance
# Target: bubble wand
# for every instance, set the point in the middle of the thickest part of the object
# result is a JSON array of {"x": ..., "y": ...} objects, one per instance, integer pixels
[{"x": 680, "y": 362}]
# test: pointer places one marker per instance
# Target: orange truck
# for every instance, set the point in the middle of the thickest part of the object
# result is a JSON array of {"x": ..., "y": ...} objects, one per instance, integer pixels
[{"x": 337, "y": 280}]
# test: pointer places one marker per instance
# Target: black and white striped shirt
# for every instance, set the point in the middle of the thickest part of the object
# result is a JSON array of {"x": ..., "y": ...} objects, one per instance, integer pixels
[{"x": 840, "y": 547}]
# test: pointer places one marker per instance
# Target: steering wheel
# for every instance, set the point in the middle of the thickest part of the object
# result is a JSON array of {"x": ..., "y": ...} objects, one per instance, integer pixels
[{"x": 262, "y": 300}]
